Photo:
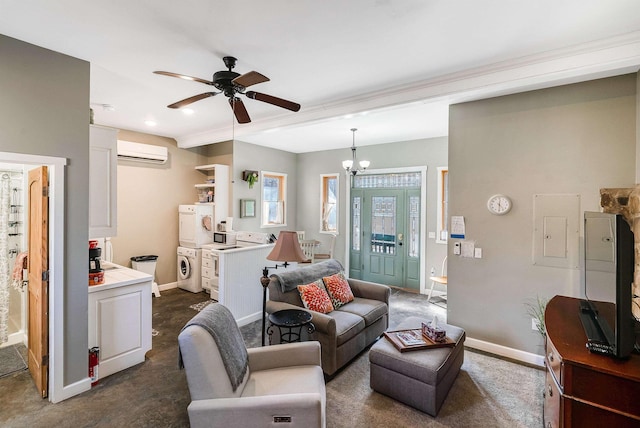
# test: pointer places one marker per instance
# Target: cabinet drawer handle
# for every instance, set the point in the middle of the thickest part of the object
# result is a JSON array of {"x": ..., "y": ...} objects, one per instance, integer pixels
[
  {"x": 550, "y": 357},
  {"x": 550, "y": 391}
]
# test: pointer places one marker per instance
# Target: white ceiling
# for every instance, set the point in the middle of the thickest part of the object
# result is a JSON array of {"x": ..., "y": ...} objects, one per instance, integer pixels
[{"x": 387, "y": 67}]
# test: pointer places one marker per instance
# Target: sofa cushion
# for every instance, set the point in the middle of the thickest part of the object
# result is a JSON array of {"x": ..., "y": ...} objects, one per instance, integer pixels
[
  {"x": 315, "y": 297},
  {"x": 338, "y": 288},
  {"x": 369, "y": 310},
  {"x": 348, "y": 325}
]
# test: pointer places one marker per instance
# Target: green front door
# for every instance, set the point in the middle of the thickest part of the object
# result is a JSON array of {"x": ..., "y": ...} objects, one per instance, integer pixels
[{"x": 385, "y": 236}]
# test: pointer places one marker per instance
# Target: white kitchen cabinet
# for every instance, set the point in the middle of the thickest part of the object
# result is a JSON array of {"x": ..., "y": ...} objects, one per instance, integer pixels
[
  {"x": 103, "y": 163},
  {"x": 120, "y": 318}
]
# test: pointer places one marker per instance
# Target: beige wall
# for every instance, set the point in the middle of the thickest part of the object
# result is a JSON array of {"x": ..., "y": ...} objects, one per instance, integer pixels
[
  {"x": 571, "y": 139},
  {"x": 148, "y": 199}
]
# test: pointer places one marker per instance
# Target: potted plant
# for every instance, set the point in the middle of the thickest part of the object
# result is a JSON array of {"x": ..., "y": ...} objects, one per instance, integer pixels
[
  {"x": 535, "y": 310},
  {"x": 251, "y": 177}
]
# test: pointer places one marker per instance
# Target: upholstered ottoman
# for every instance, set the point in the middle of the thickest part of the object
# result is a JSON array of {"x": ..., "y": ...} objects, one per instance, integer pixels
[{"x": 419, "y": 378}]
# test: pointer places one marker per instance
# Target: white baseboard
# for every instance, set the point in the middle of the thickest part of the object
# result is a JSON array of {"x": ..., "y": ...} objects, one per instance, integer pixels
[
  {"x": 503, "y": 351},
  {"x": 168, "y": 286},
  {"x": 248, "y": 319}
]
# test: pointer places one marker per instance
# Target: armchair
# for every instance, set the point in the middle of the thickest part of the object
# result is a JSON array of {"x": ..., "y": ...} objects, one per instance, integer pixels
[{"x": 282, "y": 383}]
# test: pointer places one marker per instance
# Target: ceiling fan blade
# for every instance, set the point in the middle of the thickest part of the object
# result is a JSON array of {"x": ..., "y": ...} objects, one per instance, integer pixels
[
  {"x": 192, "y": 99},
  {"x": 183, "y": 76},
  {"x": 289, "y": 105},
  {"x": 250, "y": 78},
  {"x": 239, "y": 110}
]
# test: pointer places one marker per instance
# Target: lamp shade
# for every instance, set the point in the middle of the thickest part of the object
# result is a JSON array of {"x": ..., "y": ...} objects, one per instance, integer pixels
[{"x": 287, "y": 248}]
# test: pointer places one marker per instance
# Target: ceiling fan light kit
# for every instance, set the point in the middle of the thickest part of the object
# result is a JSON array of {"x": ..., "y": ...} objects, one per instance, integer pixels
[
  {"x": 348, "y": 164},
  {"x": 231, "y": 84}
]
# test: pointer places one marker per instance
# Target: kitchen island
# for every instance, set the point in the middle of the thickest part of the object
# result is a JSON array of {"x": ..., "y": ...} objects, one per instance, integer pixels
[
  {"x": 239, "y": 288},
  {"x": 120, "y": 318}
]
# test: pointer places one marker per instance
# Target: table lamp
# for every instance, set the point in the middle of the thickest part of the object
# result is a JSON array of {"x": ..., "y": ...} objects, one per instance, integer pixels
[{"x": 287, "y": 249}]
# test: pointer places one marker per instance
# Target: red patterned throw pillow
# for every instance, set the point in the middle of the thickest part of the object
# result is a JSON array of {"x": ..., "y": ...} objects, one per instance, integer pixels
[
  {"x": 315, "y": 297},
  {"x": 338, "y": 288}
]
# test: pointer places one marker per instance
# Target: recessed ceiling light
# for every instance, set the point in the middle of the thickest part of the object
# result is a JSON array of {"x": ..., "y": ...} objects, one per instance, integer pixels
[
  {"x": 150, "y": 123},
  {"x": 188, "y": 111}
]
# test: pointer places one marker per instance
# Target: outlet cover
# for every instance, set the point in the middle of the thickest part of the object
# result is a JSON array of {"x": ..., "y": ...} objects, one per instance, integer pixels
[{"x": 534, "y": 324}]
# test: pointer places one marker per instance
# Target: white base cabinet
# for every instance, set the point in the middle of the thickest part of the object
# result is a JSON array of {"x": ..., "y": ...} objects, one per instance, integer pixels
[{"x": 120, "y": 319}]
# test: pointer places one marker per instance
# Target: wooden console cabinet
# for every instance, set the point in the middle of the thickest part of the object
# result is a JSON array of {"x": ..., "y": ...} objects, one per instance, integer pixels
[{"x": 584, "y": 389}]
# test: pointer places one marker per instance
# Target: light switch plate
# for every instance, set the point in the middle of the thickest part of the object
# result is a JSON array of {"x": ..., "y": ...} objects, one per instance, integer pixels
[{"x": 477, "y": 253}]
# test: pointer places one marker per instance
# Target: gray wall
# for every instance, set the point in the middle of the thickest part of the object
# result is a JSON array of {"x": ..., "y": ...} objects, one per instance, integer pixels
[
  {"x": 428, "y": 152},
  {"x": 571, "y": 139},
  {"x": 257, "y": 158},
  {"x": 44, "y": 110}
]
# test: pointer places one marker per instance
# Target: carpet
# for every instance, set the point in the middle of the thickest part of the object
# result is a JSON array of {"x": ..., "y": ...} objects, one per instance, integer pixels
[
  {"x": 483, "y": 395},
  {"x": 488, "y": 392},
  {"x": 11, "y": 361}
]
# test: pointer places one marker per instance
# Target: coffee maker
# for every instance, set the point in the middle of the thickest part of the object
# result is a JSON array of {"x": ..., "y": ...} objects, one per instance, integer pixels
[{"x": 96, "y": 273}]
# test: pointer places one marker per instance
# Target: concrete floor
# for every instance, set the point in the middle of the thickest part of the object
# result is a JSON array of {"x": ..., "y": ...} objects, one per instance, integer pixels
[{"x": 151, "y": 394}]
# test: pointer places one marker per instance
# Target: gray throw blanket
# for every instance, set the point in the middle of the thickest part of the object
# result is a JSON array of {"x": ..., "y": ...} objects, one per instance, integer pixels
[
  {"x": 307, "y": 274},
  {"x": 218, "y": 321}
]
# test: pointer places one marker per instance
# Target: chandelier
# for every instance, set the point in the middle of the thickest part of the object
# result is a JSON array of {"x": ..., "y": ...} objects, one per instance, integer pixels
[{"x": 349, "y": 165}]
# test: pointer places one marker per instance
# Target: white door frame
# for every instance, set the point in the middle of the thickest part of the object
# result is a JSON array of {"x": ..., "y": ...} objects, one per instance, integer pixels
[
  {"x": 423, "y": 216},
  {"x": 57, "y": 390}
]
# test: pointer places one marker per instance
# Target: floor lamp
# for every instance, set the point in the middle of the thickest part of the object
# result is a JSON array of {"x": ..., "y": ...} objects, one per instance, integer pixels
[{"x": 287, "y": 249}]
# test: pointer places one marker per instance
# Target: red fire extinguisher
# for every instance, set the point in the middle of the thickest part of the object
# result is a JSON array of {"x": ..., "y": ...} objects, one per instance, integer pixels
[{"x": 94, "y": 360}]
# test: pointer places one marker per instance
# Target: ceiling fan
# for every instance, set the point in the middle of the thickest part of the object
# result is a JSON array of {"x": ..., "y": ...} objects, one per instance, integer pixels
[{"x": 230, "y": 84}]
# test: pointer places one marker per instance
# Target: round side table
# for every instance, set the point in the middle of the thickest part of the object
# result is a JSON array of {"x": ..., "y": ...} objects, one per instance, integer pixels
[{"x": 289, "y": 323}]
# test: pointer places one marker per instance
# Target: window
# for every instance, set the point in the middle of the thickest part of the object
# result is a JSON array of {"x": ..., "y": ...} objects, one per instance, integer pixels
[
  {"x": 443, "y": 204},
  {"x": 329, "y": 203},
  {"x": 274, "y": 191}
]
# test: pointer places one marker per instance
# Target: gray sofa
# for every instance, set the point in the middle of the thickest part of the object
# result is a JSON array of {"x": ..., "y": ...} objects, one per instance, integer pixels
[{"x": 342, "y": 333}]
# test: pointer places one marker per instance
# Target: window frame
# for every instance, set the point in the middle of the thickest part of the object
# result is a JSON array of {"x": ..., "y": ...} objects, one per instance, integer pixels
[
  {"x": 282, "y": 178},
  {"x": 442, "y": 205},
  {"x": 324, "y": 182}
]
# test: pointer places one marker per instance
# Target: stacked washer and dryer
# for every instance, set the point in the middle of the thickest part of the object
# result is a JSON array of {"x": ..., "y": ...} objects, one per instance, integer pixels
[{"x": 196, "y": 226}]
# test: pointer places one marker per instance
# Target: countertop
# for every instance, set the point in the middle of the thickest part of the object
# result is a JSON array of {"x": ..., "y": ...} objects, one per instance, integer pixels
[
  {"x": 241, "y": 248},
  {"x": 119, "y": 276}
]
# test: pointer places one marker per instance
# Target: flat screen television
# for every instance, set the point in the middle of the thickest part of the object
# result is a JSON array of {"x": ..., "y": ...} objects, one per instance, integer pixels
[{"x": 606, "y": 312}]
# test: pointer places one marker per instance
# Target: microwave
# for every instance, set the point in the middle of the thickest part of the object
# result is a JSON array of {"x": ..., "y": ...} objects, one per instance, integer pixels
[{"x": 225, "y": 238}]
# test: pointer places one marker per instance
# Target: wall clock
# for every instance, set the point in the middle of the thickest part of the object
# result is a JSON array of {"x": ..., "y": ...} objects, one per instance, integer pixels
[{"x": 499, "y": 204}]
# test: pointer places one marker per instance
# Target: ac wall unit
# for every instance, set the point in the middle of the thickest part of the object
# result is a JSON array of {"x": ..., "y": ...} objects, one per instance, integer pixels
[{"x": 128, "y": 150}]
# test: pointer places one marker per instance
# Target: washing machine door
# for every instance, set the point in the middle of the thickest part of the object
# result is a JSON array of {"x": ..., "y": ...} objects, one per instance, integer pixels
[{"x": 184, "y": 268}]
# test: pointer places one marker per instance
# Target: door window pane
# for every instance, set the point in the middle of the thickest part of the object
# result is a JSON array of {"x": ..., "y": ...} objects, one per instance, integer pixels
[
  {"x": 383, "y": 224},
  {"x": 356, "y": 223},
  {"x": 414, "y": 226},
  {"x": 393, "y": 180}
]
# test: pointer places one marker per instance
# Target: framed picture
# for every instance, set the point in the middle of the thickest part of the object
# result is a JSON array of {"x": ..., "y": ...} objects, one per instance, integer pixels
[{"x": 247, "y": 208}]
